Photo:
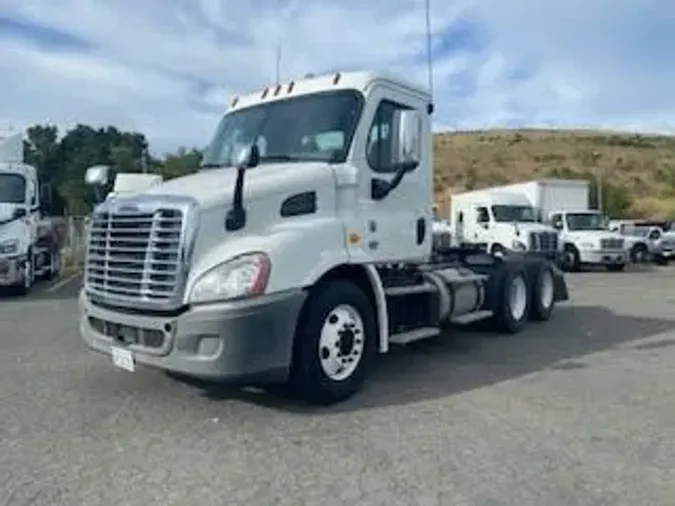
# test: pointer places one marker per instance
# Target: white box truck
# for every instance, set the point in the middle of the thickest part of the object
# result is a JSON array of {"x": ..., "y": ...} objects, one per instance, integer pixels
[
  {"x": 584, "y": 234},
  {"x": 300, "y": 250},
  {"x": 29, "y": 243}
]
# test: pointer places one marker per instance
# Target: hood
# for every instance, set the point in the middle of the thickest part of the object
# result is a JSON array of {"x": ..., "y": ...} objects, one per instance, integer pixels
[
  {"x": 213, "y": 187},
  {"x": 6, "y": 212},
  {"x": 593, "y": 235},
  {"x": 523, "y": 228}
]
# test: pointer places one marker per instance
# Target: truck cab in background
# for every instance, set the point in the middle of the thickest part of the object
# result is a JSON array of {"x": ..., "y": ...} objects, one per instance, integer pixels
[
  {"x": 586, "y": 239},
  {"x": 29, "y": 244},
  {"x": 497, "y": 221}
]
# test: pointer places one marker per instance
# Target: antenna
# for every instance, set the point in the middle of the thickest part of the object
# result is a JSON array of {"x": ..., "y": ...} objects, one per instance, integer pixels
[
  {"x": 278, "y": 69},
  {"x": 430, "y": 63}
]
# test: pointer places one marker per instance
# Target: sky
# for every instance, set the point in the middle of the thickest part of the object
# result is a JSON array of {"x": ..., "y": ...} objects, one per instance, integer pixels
[{"x": 167, "y": 68}]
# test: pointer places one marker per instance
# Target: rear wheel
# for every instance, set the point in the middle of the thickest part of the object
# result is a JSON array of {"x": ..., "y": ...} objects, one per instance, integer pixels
[
  {"x": 512, "y": 302},
  {"x": 542, "y": 294},
  {"x": 334, "y": 344}
]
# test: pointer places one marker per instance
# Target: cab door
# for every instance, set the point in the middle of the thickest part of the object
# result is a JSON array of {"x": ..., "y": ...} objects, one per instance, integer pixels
[{"x": 396, "y": 222}]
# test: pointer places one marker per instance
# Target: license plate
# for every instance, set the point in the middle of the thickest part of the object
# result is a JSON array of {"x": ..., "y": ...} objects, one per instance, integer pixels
[{"x": 123, "y": 359}]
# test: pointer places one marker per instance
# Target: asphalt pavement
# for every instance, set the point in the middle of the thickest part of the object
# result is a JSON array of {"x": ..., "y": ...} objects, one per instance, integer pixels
[{"x": 576, "y": 411}]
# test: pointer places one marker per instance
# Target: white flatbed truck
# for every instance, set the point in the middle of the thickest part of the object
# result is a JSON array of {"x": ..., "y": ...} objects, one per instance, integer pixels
[{"x": 300, "y": 250}]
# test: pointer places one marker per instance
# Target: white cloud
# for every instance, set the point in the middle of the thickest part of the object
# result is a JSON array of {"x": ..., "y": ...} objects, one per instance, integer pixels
[{"x": 165, "y": 67}]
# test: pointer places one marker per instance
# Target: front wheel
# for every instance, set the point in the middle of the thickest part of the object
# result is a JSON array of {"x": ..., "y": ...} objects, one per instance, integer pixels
[
  {"x": 639, "y": 254},
  {"x": 334, "y": 344},
  {"x": 28, "y": 275}
]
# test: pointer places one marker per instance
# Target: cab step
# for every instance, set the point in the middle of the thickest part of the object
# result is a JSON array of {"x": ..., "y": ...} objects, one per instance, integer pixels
[
  {"x": 468, "y": 318},
  {"x": 414, "y": 335}
]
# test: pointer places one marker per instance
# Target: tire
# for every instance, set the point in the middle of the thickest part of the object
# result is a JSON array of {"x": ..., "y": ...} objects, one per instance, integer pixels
[
  {"x": 320, "y": 375},
  {"x": 497, "y": 249},
  {"x": 542, "y": 294},
  {"x": 25, "y": 287},
  {"x": 639, "y": 254},
  {"x": 571, "y": 260},
  {"x": 615, "y": 267},
  {"x": 511, "y": 306},
  {"x": 55, "y": 267}
]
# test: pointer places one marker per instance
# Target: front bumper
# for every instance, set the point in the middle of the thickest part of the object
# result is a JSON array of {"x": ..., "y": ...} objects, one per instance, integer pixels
[
  {"x": 11, "y": 270},
  {"x": 600, "y": 257},
  {"x": 229, "y": 341}
]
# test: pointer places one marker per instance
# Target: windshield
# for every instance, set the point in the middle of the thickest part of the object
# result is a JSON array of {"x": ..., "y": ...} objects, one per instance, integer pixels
[
  {"x": 312, "y": 127},
  {"x": 586, "y": 221},
  {"x": 513, "y": 213},
  {"x": 12, "y": 189}
]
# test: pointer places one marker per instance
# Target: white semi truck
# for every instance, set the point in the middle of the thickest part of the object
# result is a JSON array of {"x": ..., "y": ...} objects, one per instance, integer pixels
[
  {"x": 500, "y": 220},
  {"x": 583, "y": 232},
  {"x": 29, "y": 243},
  {"x": 300, "y": 250}
]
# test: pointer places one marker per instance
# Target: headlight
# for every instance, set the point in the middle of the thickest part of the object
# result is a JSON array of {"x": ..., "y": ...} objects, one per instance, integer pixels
[
  {"x": 518, "y": 245},
  {"x": 9, "y": 247},
  {"x": 587, "y": 245},
  {"x": 240, "y": 277}
]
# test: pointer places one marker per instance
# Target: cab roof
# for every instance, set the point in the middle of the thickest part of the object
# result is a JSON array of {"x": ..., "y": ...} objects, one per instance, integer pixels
[{"x": 355, "y": 80}]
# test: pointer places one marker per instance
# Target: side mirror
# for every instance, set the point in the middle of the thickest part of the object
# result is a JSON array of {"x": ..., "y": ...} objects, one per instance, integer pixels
[
  {"x": 557, "y": 226},
  {"x": 19, "y": 212},
  {"x": 248, "y": 157},
  {"x": 46, "y": 195},
  {"x": 97, "y": 175},
  {"x": 407, "y": 130}
]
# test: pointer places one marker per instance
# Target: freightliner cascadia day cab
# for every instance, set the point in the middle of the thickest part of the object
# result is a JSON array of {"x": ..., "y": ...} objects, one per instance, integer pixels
[{"x": 300, "y": 250}]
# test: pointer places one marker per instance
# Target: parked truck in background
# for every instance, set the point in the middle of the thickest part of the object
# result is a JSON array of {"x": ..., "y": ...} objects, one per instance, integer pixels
[
  {"x": 583, "y": 232},
  {"x": 499, "y": 220},
  {"x": 30, "y": 246},
  {"x": 300, "y": 250}
]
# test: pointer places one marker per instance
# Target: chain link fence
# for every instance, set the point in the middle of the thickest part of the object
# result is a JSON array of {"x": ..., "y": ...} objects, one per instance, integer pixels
[{"x": 72, "y": 234}]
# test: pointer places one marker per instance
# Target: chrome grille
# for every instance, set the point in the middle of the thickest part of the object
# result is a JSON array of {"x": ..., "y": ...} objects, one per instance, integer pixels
[
  {"x": 611, "y": 243},
  {"x": 543, "y": 241},
  {"x": 135, "y": 253},
  {"x": 668, "y": 243}
]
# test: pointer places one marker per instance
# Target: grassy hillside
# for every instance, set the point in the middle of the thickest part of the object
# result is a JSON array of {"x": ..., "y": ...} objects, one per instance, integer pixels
[{"x": 638, "y": 170}]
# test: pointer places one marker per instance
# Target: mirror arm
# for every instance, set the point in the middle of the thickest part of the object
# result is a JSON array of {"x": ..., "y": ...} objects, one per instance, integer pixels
[
  {"x": 236, "y": 216},
  {"x": 380, "y": 188}
]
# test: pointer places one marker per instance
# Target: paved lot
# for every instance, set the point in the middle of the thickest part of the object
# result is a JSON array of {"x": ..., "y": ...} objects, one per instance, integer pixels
[{"x": 577, "y": 411}]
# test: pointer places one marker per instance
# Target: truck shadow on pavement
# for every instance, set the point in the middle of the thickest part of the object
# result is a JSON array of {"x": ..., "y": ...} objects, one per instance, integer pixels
[{"x": 469, "y": 358}]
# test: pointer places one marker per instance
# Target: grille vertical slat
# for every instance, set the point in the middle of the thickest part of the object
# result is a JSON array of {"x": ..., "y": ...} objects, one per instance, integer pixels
[
  {"x": 136, "y": 255},
  {"x": 611, "y": 243},
  {"x": 543, "y": 241}
]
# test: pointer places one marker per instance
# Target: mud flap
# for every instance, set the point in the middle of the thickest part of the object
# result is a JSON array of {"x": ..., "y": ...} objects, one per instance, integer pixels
[{"x": 560, "y": 293}]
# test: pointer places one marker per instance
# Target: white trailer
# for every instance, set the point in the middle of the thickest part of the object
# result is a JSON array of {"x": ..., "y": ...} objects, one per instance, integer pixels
[
  {"x": 299, "y": 251},
  {"x": 498, "y": 220},
  {"x": 29, "y": 243},
  {"x": 584, "y": 233}
]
